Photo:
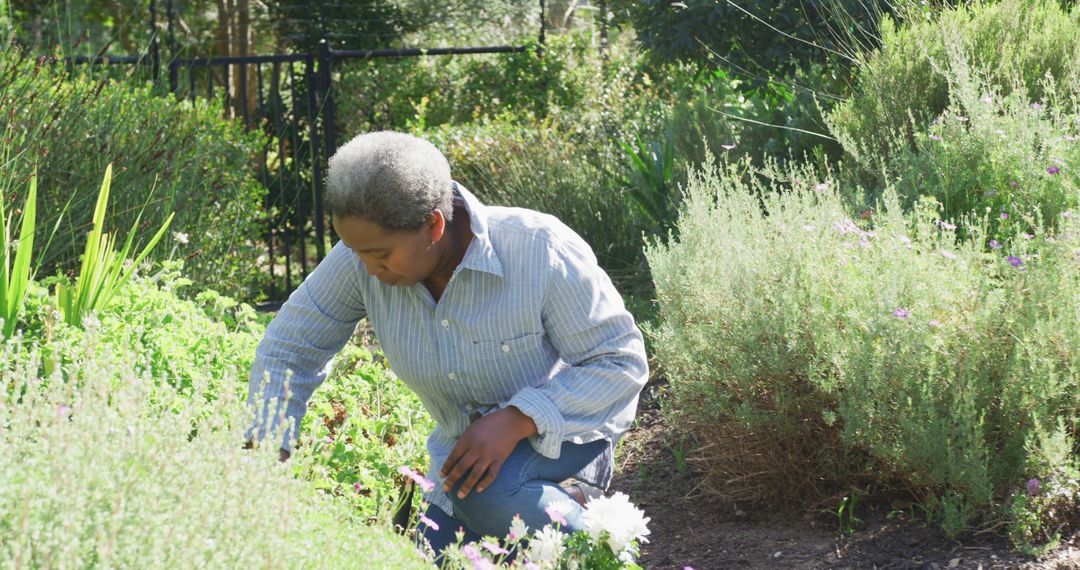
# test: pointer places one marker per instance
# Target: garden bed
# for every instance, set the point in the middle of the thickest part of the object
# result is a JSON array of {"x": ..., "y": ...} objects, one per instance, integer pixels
[{"x": 690, "y": 528}]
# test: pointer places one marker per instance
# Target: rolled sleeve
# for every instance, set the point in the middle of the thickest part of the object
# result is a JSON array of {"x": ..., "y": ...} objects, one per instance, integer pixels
[
  {"x": 586, "y": 321},
  {"x": 295, "y": 355}
]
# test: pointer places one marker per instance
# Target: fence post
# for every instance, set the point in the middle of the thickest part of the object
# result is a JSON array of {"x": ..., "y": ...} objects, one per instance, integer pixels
[
  {"x": 543, "y": 24},
  {"x": 155, "y": 48},
  {"x": 316, "y": 152},
  {"x": 174, "y": 72},
  {"x": 326, "y": 63}
]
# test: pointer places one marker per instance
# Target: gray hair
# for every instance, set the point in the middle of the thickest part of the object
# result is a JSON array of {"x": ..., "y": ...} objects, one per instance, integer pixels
[{"x": 393, "y": 179}]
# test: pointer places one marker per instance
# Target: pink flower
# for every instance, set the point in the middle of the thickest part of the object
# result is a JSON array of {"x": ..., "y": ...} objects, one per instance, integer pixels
[
  {"x": 1053, "y": 170},
  {"x": 424, "y": 484},
  {"x": 356, "y": 487},
  {"x": 471, "y": 552},
  {"x": 424, "y": 519},
  {"x": 934, "y": 323},
  {"x": 1004, "y": 216},
  {"x": 494, "y": 548},
  {"x": 555, "y": 515},
  {"x": 901, "y": 313}
]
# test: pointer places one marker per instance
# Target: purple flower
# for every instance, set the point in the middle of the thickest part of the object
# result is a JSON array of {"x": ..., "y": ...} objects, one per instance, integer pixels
[
  {"x": 424, "y": 484},
  {"x": 1015, "y": 261},
  {"x": 901, "y": 313},
  {"x": 471, "y": 552},
  {"x": 434, "y": 525},
  {"x": 356, "y": 487},
  {"x": 935, "y": 137},
  {"x": 944, "y": 225},
  {"x": 63, "y": 411},
  {"x": 1013, "y": 184},
  {"x": 1004, "y": 216},
  {"x": 1026, "y": 236},
  {"x": 821, "y": 187},
  {"x": 1053, "y": 170},
  {"x": 1034, "y": 487},
  {"x": 995, "y": 244},
  {"x": 1036, "y": 106}
]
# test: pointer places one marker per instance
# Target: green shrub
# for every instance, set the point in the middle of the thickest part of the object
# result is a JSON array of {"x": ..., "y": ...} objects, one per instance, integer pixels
[
  {"x": 418, "y": 93},
  {"x": 168, "y": 156},
  {"x": 907, "y": 83},
  {"x": 105, "y": 466},
  {"x": 375, "y": 423},
  {"x": 541, "y": 167},
  {"x": 890, "y": 351}
]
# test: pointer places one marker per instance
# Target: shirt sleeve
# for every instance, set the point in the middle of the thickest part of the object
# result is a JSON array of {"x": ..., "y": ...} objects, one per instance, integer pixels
[
  {"x": 586, "y": 321},
  {"x": 312, "y": 326}
]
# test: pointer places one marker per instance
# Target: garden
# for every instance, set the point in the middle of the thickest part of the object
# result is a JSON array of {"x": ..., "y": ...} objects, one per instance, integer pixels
[{"x": 849, "y": 231}]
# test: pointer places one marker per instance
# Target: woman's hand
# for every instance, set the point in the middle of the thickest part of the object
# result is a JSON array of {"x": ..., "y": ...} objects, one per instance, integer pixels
[{"x": 483, "y": 448}]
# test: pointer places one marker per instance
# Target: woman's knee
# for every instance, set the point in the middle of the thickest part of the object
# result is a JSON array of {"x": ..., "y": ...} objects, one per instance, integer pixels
[{"x": 489, "y": 512}]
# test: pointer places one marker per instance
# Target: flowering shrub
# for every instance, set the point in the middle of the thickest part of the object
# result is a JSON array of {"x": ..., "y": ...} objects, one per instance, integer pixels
[
  {"x": 875, "y": 339},
  {"x": 942, "y": 111},
  {"x": 614, "y": 528},
  {"x": 105, "y": 465}
]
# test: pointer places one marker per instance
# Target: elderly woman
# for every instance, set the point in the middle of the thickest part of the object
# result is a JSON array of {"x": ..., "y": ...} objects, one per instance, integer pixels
[{"x": 498, "y": 318}]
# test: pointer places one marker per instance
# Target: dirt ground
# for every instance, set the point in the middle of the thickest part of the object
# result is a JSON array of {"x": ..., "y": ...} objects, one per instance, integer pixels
[{"x": 704, "y": 533}]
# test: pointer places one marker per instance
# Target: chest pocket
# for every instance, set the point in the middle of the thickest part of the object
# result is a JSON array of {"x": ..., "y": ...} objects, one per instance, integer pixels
[{"x": 527, "y": 345}]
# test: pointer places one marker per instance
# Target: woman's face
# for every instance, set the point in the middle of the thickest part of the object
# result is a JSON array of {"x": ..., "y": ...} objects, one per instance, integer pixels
[{"x": 394, "y": 257}]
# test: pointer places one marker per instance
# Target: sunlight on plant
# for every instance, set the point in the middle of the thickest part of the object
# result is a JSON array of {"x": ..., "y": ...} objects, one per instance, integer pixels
[
  {"x": 103, "y": 270},
  {"x": 15, "y": 273}
]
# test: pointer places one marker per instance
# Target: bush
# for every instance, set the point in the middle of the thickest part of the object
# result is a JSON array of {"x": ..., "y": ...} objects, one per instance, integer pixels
[
  {"x": 202, "y": 348},
  {"x": 126, "y": 451},
  {"x": 418, "y": 93},
  {"x": 168, "y": 156},
  {"x": 909, "y": 82},
  {"x": 829, "y": 351}
]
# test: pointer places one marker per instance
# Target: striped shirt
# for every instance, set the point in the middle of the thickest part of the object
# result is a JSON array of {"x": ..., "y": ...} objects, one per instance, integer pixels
[{"x": 528, "y": 319}]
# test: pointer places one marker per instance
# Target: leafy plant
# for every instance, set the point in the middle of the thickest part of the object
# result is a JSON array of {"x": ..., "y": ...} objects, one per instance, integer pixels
[
  {"x": 103, "y": 270},
  {"x": 652, "y": 189},
  {"x": 15, "y": 273}
]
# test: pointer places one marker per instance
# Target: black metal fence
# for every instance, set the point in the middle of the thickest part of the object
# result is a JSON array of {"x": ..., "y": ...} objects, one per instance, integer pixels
[{"x": 291, "y": 98}]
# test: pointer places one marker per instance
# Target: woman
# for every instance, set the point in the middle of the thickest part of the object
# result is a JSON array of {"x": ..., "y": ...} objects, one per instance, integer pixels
[{"x": 498, "y": 318}]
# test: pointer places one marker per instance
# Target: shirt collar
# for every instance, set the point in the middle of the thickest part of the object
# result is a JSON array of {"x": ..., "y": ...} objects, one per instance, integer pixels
[{"x": 480, "y": 256}]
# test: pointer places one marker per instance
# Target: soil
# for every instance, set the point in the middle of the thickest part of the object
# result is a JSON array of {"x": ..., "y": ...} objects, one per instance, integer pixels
[{"x": 692, "y": 529}]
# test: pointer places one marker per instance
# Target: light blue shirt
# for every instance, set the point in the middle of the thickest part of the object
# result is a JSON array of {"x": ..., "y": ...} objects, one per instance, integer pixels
[{"x": 528, "y": 319}]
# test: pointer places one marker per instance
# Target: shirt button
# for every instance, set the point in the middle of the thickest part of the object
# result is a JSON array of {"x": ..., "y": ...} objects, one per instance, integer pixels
[
  {"x": 445, "y": 324},
  {"x": 506, "y": 348},
  {"x": 451, "y": 376}
]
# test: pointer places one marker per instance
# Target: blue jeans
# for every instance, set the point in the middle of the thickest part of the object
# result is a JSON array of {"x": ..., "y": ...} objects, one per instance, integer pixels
[{"x": 527, "y": 483}]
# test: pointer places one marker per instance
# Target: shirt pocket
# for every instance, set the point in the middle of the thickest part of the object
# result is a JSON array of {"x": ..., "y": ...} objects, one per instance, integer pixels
[{"x": 515, "y": 347}]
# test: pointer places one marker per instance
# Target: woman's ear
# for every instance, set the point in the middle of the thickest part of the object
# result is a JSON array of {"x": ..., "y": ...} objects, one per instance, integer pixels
[{"x": 435, "y": 224}]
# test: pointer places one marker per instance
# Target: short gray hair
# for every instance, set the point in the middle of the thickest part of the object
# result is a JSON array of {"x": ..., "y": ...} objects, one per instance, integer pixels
[{"x": 393, "y": 179}]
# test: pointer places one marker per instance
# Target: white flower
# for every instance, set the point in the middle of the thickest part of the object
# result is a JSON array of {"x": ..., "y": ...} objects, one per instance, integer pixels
[
  {"x": 558, "y": 510},
  {"x": 619, "y": 517},
  {"x": 90, "y": 322},
  {"x": 518, "y": 529},
  {"x": 180, "y": 237},
  {"x": 546, "y": 547}
]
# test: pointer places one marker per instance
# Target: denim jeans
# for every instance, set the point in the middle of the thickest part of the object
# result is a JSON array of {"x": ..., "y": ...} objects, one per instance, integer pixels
[{"x": 527, "y": 483}]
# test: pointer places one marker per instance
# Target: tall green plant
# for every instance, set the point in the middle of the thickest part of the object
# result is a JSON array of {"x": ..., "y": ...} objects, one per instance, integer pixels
[
  {"x": 103, "y": 269},
  {"x": 15, "y": 278},
  {"x": 653, "y": 191}
]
